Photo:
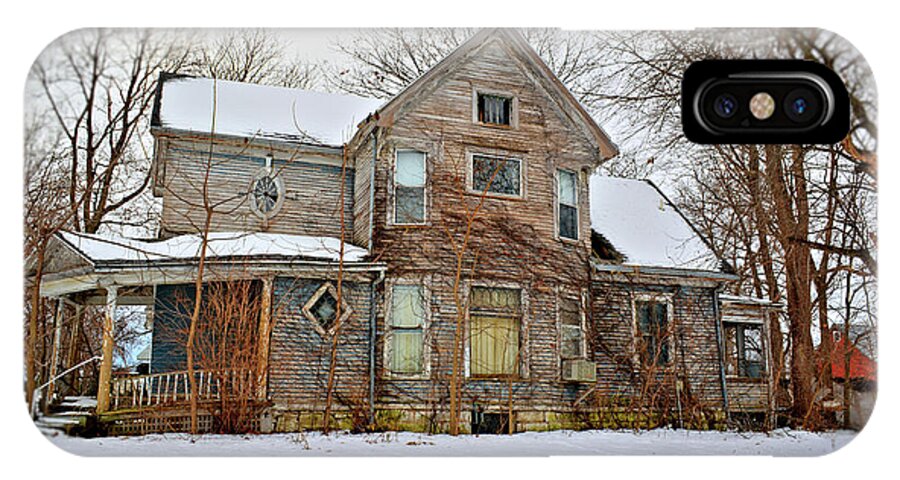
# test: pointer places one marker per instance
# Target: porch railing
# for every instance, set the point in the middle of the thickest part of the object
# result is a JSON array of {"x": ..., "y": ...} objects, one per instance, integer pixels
[{"x": 170, "y": 388}]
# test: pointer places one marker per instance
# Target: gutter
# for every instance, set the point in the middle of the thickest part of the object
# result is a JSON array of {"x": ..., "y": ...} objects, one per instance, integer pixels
[{"x": 373, "y": 331}]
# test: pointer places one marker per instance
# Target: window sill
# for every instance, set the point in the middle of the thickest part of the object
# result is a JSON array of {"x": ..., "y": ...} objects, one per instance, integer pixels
[
  {"x": 495, "y": 196},
  {"x": 568, "y": 241},
  {"x": 499, "y": 126},
  {"x": 740, "y": 379},
  {"x": 406, "y": 376},
  {"x": 510, "y": 377},
  {"x": 409, "y": 225}
]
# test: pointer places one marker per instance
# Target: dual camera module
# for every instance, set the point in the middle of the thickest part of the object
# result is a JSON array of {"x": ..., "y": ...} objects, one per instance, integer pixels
[{"x": 763, "y": 101}]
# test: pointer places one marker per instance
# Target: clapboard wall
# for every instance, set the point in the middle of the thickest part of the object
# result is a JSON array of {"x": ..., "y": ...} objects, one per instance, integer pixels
[{"x": 312, "y": 185}]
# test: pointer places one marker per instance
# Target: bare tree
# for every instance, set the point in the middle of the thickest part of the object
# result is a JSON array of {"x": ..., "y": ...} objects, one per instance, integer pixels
[
  {"x": 767, "y": 208},
  {"x": 99, "y": 87},
  {"x": 252, "y": 56}
]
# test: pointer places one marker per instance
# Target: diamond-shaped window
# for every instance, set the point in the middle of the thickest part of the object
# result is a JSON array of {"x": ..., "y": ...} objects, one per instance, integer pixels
[{"x": 322, "y": 309}]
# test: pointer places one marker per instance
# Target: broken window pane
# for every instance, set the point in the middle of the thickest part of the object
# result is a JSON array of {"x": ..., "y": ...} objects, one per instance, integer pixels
[
  {"x": 325, "y": 310},
  {"x": 496, "y": 175}
]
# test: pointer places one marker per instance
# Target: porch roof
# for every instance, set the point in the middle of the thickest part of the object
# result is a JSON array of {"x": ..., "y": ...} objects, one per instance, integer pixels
[{"x": 86, "y": 262}]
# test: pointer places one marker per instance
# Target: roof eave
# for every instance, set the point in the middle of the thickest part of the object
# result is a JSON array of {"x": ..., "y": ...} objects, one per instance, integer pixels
[{"x": 665, "y": 271}]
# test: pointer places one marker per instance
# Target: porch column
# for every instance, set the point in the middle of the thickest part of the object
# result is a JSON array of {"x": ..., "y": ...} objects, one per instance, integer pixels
[
  {"x": 109, "y": 322},
  {"x": 54, "y": 355},
  {"x": 265, "y": 331}
]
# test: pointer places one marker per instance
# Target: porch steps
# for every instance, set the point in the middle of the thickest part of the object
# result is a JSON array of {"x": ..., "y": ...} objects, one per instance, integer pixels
[{"x": 71, "y": 416}]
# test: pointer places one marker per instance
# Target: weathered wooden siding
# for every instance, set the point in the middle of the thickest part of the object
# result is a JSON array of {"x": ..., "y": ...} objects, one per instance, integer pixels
[
  {"x": 311, "y": 180},
  {"x": 363, "y": 165},
  {"x": 513, "y": 241},
  {"x": 695, "y": 356},
  {"x": 299, "y": 356}
]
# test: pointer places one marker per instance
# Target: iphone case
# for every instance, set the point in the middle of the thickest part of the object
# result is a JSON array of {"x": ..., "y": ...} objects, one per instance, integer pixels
[{"x": 437, "y": 242}]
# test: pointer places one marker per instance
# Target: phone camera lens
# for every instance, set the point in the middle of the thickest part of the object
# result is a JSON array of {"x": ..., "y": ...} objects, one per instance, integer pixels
[
  {"x": 801, "y": 106},
  {"x": 725, "y": 105}
]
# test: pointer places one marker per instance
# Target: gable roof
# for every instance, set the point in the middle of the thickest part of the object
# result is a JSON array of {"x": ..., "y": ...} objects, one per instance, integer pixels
[
  {"x": 570, "y": 105},
  {"x": 645, "y": 227},
  {"x": 258, "y": 111}
]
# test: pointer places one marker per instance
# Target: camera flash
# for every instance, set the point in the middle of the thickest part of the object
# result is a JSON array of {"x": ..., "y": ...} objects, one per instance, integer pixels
[{"x": 762, "y": 106}]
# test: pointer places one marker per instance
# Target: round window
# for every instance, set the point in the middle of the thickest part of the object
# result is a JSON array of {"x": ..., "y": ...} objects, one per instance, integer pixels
[{"x": 266, "y": 194}]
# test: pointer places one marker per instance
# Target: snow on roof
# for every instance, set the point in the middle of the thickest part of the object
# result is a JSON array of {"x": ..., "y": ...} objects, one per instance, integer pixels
[
  {"x": 114, "y": 248},
  {"x": 251, "y": 110},
  {"x": 645, "y": 227}
]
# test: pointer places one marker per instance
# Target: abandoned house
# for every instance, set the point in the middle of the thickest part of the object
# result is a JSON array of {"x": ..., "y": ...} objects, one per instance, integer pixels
[{"x": 485, "y": 268}]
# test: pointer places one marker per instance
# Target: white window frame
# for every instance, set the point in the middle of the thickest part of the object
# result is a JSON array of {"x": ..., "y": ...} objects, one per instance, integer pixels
[
  {"x": 513, "y": 107},
  {"x": 764, "y": 347},
  {"x": 557, "y": 216},
  {"x": 666, "y": 298},
  {"x": 470, "y": 175},
  {"x": 267, "y": 171},
  {"x": 524, "y": 324},
  {"x": 582, "y": 312},
  {"x": 392, "y": 207},
  {"x": 388, "y": 329},
  {"x": 345, "y": 309}
]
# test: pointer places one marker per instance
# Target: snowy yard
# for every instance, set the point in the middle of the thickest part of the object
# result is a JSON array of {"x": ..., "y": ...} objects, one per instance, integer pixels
[{"x": 655, "y": 442}]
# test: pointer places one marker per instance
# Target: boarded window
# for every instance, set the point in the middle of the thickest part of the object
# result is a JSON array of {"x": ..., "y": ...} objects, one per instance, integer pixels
[
  {"x": 494, "y": 109},
  {"x": 496, "y": 175},
  {"x": 744, "y": 351},
  {"x": 653, "y": 326},
  {"x": 571, "y": 328},
  {"x": 494, "y": 324},
  {"x": 409, "y": 187},
  {"x": 568, "y": 205},
  {"x": 407, "y": 322}
]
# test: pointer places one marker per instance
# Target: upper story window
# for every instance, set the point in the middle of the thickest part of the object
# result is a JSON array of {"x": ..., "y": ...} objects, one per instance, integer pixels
[
  {"x": 496, "y": 175},
  {"x": 495, "y": 109},
  {"x": 409, "y": 188},
  {"x": 744, "y": 350},
  {"x": 266, "y": 192},
  {"x": 567, "y": 205},
  {"x": 653, "y": 332}
]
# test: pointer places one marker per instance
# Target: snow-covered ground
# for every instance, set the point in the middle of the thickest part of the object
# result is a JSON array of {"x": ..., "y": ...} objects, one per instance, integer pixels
[{"x": 655, "y": 442}]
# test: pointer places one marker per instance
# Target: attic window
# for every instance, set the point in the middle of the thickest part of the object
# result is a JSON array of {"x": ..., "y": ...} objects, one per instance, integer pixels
[{"x": 494, "y": 109}]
